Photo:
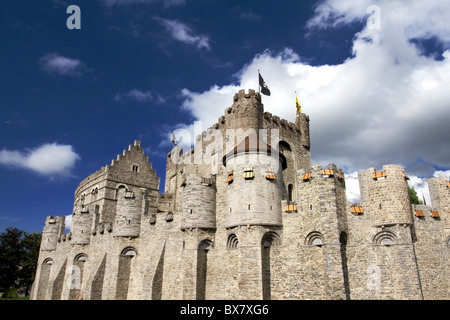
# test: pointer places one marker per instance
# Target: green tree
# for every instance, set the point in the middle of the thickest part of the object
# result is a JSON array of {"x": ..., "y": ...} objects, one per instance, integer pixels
[
  {"x": 413, "y": 196},
  {"x": 10, "y": 253},
  {"x": 30, "y": 253},
  {"x": 19, "y": 252}
]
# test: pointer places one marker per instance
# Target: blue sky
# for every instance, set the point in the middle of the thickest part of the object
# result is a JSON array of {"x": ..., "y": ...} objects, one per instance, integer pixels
[{"x": 372, "y": 75}]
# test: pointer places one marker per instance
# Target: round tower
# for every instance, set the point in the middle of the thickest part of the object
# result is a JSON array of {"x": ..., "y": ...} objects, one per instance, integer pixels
[
  {"x": 128, "y": 212},
  {"x": 385, "y": 193},
  {"x": 244, "y": 117},
  {"x": 53, "y": 229},
  {"x": 199, "y": 203},
  {"x": 254, "y": 178}
]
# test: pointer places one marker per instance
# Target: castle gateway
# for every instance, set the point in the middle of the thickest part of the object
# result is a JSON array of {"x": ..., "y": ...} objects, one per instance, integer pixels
[{"x": 244, "y": 215}]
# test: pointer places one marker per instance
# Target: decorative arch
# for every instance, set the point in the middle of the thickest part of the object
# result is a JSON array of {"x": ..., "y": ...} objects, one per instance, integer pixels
[
  {"x": 385, "y": 238},
  {"x": 232, "y": 242},
  {"x": 80, "y": 257},
  {"x": 314, "y": 238}
]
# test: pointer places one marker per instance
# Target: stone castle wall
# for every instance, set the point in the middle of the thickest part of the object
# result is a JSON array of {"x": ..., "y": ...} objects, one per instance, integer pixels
[{"x": 252, "y": 221}]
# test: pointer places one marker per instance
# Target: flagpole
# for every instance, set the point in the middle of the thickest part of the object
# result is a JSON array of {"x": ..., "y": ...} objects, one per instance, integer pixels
[{"x": 259, "y": 87}]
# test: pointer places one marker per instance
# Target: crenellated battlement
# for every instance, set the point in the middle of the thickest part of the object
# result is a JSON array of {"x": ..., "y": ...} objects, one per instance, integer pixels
[{"x": 251, "y": 94}]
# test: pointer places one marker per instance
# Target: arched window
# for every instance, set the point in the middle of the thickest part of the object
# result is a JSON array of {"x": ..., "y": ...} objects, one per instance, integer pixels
[
  {"x": 94, "y": 194},
  {"x": 314, "y": 238},
  {"x": 232, "y": 242}
]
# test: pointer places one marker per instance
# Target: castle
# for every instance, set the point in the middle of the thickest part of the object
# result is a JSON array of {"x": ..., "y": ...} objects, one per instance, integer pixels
[{"x": 244, "y": 215}]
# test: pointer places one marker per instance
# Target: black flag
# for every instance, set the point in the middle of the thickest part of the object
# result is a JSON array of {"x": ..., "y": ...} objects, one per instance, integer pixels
[{"x": 264, "y": 89}]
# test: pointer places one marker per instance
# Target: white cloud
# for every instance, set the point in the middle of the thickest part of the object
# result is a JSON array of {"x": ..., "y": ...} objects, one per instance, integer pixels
[
  {"x": 54, "y": 63},
  {"x": 182, "y": 32},
  {"x": 48, "y": 159},
  {"x": 412, "y": 19},
  {"x": 68, "y": 222},
  {"x": 440, "y": 174},
  {"x": 352, "y": 187},
  {"x": 388, "y": 103}
]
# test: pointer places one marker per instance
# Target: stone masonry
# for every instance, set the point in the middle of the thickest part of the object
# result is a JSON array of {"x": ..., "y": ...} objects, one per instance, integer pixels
[{"x": 244, "y": 215}]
